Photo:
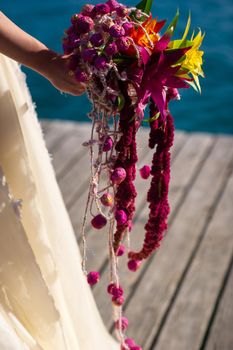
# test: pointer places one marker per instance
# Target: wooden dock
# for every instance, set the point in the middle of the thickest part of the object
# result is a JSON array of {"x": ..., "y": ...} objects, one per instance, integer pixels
[{"x": 182, "y": 298}]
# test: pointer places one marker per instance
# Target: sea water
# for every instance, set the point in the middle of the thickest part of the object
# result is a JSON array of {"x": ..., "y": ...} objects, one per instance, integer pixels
[{"x": 212, "y": 111}]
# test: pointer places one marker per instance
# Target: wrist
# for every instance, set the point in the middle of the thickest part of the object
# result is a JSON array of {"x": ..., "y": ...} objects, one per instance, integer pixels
[{"x": 44, "y": 60}]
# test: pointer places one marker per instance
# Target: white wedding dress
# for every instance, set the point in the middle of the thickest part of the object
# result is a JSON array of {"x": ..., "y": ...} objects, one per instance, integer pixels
[{"x": 45, "y": 302}]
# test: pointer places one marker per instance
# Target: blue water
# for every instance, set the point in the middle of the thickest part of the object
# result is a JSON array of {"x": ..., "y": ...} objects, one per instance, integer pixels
[{"x": 212, "y": 111}]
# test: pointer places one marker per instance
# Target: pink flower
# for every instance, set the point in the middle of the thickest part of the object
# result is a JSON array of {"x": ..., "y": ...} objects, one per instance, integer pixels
[
  {"x": 110, "y": 287},
  {"x": 122, "y": 11},
  {"x": 113, "y": 4},
  {"x": 102, "y": 9},
  {"x": 107, "y": 199},
  {"x": 84, "y": 24},
  {"x": 145, "y": 172},
  {"x": 108, "y": 144},
  {"x": 123, "y": 44},
  {"x": 121, "y": 250},
  {"x": 118, "y": 301},
  {"x": 116, "y": 31},
  {"x": 130, "y": 342},
  {"x": 121, "y": 217},
  {"x": 134, "y": 265},
  {"x": 89, "y": 54},
  {"x": 100, "y": 62},
  {"x": 118, "y": 176},
  {"x": 117, "y": 291},
  {"x": 97, "y": 39},
  {"x": 111, "y": 49},
  {"x": 122, "y": 323},
  {"x": 87, "y": 10},
  {"x": 128, "y": 27},
  {"x": 99, "y": 221},
  {"x": 93, "y": 278}
]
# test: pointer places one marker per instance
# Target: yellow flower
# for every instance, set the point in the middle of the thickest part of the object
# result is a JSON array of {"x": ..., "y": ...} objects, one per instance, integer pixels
[{"x": 193, "y": 59}]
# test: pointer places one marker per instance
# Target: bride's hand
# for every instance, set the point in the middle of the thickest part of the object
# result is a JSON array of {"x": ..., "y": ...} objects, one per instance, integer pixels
[{"x": 56, "y": 69}]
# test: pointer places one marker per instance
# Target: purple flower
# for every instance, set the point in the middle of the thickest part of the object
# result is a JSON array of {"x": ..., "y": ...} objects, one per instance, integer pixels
[
  {"x": 97, "y": 39},
  {"x": 122, "y": 11},
  {"x": 87, "y": 10},
  {"x": 89, "y": 55},
  {"x": 121, "y": 217},
  {"x": 102, "y": 9},
  {"x": 81, "y": 76},
  {"x": 100, "y": 62},
  {"x": 84, "y": 24},
  {"x": 113, "y": 4},
  {"x": 145, "y": 172},
  {"x": 93, "y": 278},
  {"x": 122, "y": 323},
  {"x": 111, "y": 49},
  {"x": 128, "y": 26},
  {"x": 116, "y": 31},
  {"x": 75, "y": 17},
  {"x": 123, "y": 44}
]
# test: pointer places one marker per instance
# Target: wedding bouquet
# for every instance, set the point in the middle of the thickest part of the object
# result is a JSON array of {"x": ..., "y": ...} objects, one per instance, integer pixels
[{"x": 127, "y": 65}]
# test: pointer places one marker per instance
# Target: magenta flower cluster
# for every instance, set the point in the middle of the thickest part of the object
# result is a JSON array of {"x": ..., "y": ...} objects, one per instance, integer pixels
[{"x": 95, "y": 36}]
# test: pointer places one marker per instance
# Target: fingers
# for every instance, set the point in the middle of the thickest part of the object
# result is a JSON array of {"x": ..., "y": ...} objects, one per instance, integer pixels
[{"x": 72, "y": 89}]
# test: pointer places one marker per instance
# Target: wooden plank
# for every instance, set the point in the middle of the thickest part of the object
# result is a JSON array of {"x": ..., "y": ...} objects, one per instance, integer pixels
[
  {"x": 59, "y": 130},
  {"x": 69, "y": 152},
  {"x": 221, "y": 335},
  {"x": 74, "y": 178},
  {"x": 190, "y": 157},
  {"x": 160, "y": 281},
  {"x": 190, "y": 314},
  {"x": 55, "y": 133},
  {"x": 45, "y": 125}
]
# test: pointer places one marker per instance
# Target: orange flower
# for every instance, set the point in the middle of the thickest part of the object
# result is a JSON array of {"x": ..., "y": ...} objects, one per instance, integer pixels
[{"x": 152, "y": 27}]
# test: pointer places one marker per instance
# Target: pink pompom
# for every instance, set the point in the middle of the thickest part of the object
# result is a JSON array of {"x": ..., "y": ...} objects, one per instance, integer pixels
[
  {"x": 121, "y": 217},
  {"x": 124, "y": 323},
  {"x": 134, "y": 265},
  {"x": 93, "y": 278},
  {"x": 100, "y": 62},
  {"x": 145, "y": 172},
  {"x": 87, "y": 10},
  {"x": 107, "y": 199},
  {"x": 118, "y": 301},
  {"x": 117, "y": 292},
  {"x": 108, "y": 144},
  {"x": 130, "y": 342},
  {"x": 136, "y": 347},
  {"x": 102, "y": 9},
  {"x": 121, "y": 250},
  {"x": 99, "y": 221},
  {"x": 118, "y": 175},
  {"x": 110, "y": 287},
  {"x": 84, "y": 23}
]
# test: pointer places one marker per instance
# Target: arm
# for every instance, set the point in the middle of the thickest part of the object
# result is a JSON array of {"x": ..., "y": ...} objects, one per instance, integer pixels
[{"x": 22, "y": 47}]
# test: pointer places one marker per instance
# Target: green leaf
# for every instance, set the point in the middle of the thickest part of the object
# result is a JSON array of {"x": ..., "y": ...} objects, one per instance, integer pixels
[
  {"x": 187, "y": 28},
  {"x": 152, "y": 119},
  {"x": 145, "y": 6},
  {"x": 170, "y": 30},
  {"x": 124, "y": 58},
  {"x": 120, "y": 102}
]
